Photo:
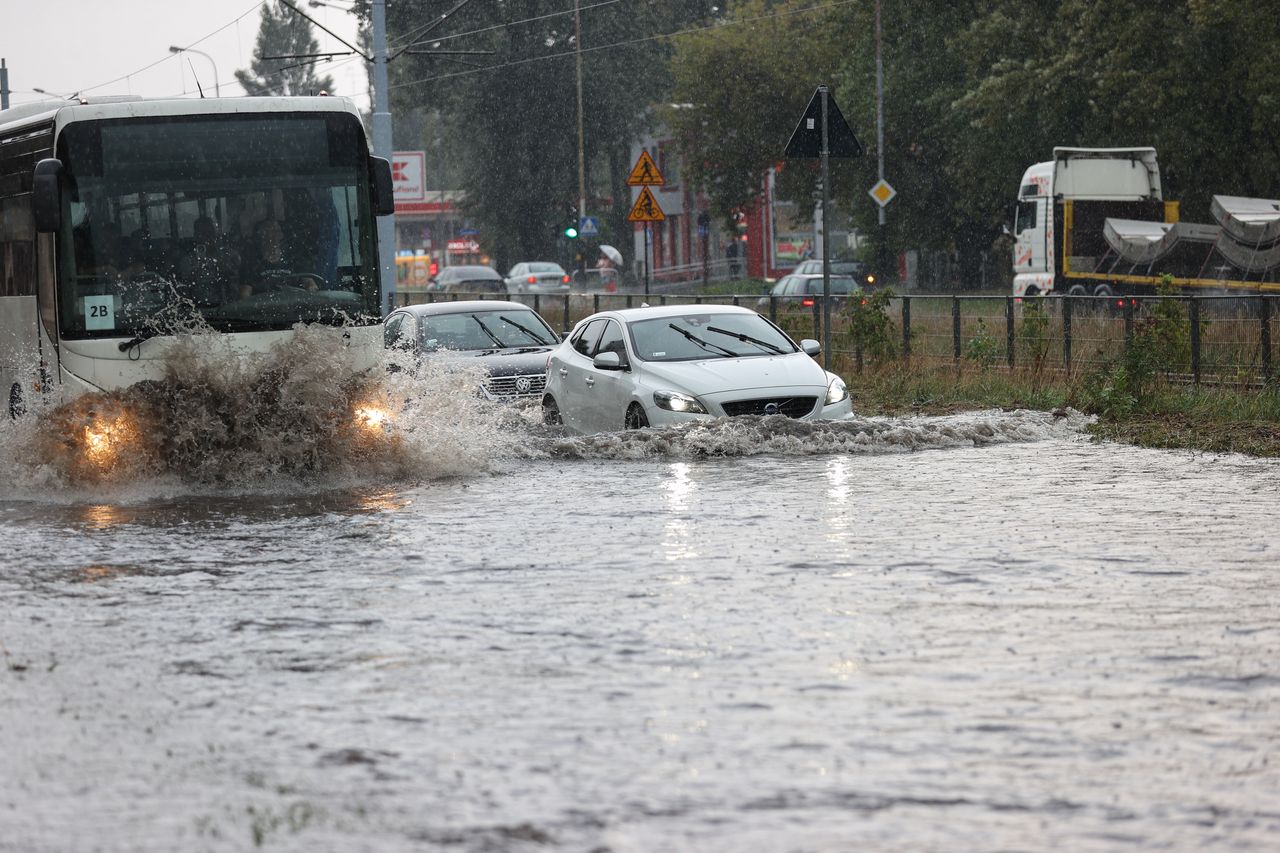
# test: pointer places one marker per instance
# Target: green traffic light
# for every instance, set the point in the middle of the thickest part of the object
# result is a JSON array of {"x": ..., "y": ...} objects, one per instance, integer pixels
[{"x": 571, "y": 232}]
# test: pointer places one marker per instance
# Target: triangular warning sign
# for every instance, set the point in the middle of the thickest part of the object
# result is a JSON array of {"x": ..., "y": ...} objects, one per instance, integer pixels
[
  {"x": 646, "y": 209},
  {"x": 645, "y": 173},
  {"x": 806, "y": 139}
]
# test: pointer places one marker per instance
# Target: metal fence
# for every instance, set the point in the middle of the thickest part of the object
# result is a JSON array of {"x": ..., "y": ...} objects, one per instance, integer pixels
[{"x": 1201, "y": 338}]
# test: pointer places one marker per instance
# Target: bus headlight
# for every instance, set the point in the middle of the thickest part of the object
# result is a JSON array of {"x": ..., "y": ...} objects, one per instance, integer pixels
[
  {"x": 105, "y": 437},
  {"x": 372, "y": 419}
]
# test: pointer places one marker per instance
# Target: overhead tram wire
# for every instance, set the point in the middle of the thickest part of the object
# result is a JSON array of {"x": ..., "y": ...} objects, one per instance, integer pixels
[
  {"x": 149, "y": 66},
  {"x": 626, "y": 43}
]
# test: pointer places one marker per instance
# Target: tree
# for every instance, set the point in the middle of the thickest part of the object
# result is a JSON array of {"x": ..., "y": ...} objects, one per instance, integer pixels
[
  {"x": 511, "y": 117},
  {"x": 283, "y": 33}
]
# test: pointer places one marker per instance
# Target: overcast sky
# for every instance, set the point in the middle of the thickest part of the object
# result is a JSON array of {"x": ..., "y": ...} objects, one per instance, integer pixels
[{"x": 121, "y": 47}]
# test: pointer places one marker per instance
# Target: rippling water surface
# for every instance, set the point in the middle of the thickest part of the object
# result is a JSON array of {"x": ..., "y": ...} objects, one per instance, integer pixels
[{"x": 977, "y": 632}]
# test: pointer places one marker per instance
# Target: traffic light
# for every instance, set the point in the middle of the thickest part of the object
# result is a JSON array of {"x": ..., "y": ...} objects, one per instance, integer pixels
[
  {"x": 571, "y": 231},
  {"x": 571, "y": 220}
]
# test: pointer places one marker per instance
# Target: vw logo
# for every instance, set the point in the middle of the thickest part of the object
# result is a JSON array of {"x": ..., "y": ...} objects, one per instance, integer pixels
[
  {"x": 523, "y": 385},
  {"x": 771, "y": 408}
]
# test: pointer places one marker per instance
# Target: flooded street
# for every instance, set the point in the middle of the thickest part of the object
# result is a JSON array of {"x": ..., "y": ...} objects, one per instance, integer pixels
[{"x": 975, "y": 632}]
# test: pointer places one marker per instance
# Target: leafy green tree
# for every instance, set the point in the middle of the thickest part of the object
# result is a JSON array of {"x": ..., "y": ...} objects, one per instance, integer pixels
[
  {"x": 511, "y": 117},
  {"x": 283, "y": 33}
]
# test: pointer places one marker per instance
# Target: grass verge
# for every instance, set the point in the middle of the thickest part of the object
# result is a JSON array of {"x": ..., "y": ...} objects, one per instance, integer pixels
[{"x": 1161, "y": 414}]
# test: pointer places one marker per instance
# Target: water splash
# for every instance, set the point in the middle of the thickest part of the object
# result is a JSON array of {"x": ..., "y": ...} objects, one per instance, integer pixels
[
  {"x": 779, "y": 435},
  {"x": 308, "y": 412}
]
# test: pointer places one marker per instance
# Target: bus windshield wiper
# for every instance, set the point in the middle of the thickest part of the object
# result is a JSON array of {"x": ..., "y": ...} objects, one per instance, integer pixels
[
  {"x": 745, "y": 338},
  {"x": 138, "y": 338},
  {"x": 528, "y": 332},
  {"x": 709, "y": 347},
  {"x": 488, "y": 331}
]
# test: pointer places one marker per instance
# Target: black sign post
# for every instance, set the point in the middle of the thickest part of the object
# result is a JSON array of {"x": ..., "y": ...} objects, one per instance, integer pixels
[{"x": 823, "y": 132}]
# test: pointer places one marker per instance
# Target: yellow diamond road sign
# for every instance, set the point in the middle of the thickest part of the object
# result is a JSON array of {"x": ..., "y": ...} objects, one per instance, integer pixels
[{"x": 882, "y": 192}]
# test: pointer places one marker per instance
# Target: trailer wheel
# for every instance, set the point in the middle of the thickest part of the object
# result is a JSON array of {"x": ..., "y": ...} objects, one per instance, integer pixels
[
  {"x": 1104, "y": 290},
  {"x": 1077, "y": 290}
]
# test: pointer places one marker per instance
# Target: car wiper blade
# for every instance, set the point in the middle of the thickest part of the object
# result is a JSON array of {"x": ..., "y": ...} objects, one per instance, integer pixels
[
  {"x": 709, "y": 347},
  {"x": 528, "y": 332},
  {"x": 488, "y": 331},
  {"x": 745, "y": 338}
]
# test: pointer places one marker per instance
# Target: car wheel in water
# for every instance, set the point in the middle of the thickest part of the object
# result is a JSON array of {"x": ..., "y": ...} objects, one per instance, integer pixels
[
  {"x": 636, "y": 418},
  {"x": 551, "y": 411}
]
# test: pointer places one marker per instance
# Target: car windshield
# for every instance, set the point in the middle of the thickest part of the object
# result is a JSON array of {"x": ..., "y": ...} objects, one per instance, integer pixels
[
  {"x": 709, "y": 335},
  {"x": 483, "y": 330}
]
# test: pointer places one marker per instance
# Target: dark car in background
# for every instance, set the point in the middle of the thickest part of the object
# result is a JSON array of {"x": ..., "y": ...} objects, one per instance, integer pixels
[
  {"x": 804, "y": 288},
  {"x": 857, "y": 269},
  {"x": 510, "y": 340},
  {"x": 468, "y": 278}
]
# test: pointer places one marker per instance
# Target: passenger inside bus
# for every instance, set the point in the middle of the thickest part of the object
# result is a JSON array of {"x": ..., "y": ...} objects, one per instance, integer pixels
[{"x": 209, "y": 274}]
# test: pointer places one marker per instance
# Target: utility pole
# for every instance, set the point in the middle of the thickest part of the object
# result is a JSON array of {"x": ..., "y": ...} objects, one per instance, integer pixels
[
  {"x": 382, "y": 148},
  {"x": 582, "y": 162},
  {"x": 882, "y": 250}
]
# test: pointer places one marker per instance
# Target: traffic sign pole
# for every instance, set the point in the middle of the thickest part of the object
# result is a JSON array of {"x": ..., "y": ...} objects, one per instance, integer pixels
[{"x": 826, "y": 243}]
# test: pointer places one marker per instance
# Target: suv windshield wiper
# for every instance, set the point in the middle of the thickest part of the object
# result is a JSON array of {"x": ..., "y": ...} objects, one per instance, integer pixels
[
  {"x": 528, "y": 332},
  {"x": 709, "y": 347},
  {"x": 745, "y": 338},
  {"x": 488, "y": 331}
]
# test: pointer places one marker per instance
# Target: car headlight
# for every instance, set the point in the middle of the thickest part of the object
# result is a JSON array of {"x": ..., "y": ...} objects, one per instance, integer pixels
[
  {"x": 674, "y": 401},
  {"x": 836, "y": 390}
]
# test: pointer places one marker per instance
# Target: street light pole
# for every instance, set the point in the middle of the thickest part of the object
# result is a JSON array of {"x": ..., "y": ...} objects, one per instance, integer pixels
[
  {"x": 382, "y": 148},
  {"x": 217, "y": 93},
  {"x": 582, "y": 163}
]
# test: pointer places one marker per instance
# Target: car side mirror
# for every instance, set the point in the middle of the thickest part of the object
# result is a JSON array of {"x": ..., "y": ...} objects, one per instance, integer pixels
[
  {"x": 811, "y": 347},
  {"x": 607, "y": 361},
  {"x": 46, "y": 195}
]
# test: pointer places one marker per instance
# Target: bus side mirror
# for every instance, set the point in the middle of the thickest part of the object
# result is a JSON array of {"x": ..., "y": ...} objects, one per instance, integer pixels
[
  {"x": 46, "y": 195},
  {"x": 384, "y": 194}
]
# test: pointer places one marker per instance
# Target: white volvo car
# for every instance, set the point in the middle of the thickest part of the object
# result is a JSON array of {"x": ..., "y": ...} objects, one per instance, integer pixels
[{"x": 642, "y": 367}]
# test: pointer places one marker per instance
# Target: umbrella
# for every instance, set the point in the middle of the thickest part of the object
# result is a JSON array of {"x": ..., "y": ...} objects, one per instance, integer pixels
[{"x": 612, "y": 254}]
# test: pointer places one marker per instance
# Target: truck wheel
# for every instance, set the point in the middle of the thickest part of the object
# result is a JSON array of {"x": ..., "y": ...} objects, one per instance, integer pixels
[
  {"x": 1077, "y": 290},
  {"x": 1104, "y": 290}
]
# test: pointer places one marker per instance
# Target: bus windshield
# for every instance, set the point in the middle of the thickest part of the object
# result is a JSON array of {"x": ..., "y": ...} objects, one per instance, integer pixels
[{"x": 247, "y": 222}]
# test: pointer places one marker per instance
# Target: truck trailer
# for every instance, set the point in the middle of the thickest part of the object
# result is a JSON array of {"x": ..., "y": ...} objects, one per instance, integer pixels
[{"x": 1094, "y": 222}]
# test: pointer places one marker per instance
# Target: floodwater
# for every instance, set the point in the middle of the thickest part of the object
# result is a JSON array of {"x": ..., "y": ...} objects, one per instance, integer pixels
[{"x": 978, "y": 632}]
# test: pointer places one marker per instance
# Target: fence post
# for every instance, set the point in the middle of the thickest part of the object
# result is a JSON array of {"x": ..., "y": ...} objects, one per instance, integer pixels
[
  {"x": 566, "y": 312},
  {"x": 773, "y": 308},
  {"x": 1008, "y": 328},
  {"x": 817, "y": 320},
  {"x": 1193, "y": 314},
  {"x": 1128, "y": 325},
  {"x": 595, "y": 303},
  {"x": 628, "y": 300},
  {"x": 906, "y": 329},
  {"x": 1265, "y": 319},
  {"x": 955, "y": 326},
  {"x": 735, "y": 300},
  {"x": 1066, "y": 333}
]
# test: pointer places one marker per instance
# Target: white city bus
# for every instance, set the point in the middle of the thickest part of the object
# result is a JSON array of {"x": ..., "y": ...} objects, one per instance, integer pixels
[{"x": 124, "y": 221}]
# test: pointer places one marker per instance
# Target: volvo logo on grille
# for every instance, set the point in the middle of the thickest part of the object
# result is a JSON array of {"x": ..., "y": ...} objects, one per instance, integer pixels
[
  {"x": 772, "y": 408},
  {"x": 523, "y": 384}
]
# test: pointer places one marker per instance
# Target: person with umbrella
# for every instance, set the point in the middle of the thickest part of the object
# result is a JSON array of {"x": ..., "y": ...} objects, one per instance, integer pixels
[{"x": 609, "y": 263}]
